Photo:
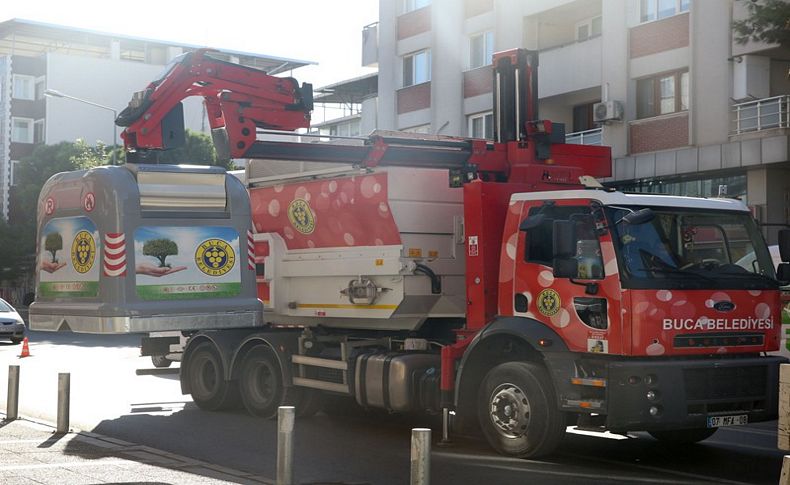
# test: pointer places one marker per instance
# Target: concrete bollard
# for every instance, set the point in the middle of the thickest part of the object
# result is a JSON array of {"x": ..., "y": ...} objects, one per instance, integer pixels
[
  {"x": 420, "y": 456},
  {"x": 12, "y": 402},
  {"x": 285, "y": 445},
  {"x": 64, "y": 400}
]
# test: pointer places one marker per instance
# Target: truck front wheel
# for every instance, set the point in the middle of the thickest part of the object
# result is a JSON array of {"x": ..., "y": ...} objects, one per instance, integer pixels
[
  {"x": 261, "y": 382},
  {"x": 518, "y": 411},
  {"x": 683, "y": 436},
  {"x": 208, "y": 387}
]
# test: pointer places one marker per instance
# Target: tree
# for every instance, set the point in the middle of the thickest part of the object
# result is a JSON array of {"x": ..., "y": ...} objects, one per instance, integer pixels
[
  {"x": 53, "y": 244},
  {"x": 768, "y": 21},
  {"x": 198, "y": 149},
  {"x": 30, "y": 175},
  {"x": 160, "y": 249}
]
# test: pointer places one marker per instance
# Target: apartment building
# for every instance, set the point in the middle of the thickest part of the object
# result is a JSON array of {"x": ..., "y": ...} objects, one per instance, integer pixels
[
  {"x": 100, "y": 68},
  {"x": 685, "y": 109}
]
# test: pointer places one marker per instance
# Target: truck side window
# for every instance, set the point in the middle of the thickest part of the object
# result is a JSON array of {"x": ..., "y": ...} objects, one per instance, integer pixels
[{"x": 538, "y": 246}]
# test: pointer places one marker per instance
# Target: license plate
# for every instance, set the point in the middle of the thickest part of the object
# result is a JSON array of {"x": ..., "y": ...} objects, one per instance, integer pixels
[{"x": 718, "y": 421}]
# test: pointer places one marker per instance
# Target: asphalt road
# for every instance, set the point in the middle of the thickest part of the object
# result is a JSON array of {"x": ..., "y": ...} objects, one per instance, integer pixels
[{"x": 108, "y": 398}]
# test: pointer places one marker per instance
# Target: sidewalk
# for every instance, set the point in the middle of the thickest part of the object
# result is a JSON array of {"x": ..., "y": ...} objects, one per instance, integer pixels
[{"x": 31, "y": 453}]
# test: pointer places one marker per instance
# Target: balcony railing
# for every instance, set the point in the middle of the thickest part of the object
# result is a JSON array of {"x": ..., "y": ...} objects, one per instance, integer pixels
[
  {"x": 587, "y": 137},
  {"x": 761, "y": 114}
]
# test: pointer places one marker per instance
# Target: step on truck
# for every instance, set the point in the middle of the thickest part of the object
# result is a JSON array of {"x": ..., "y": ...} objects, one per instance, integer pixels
[{"x": 492, "y": 281}]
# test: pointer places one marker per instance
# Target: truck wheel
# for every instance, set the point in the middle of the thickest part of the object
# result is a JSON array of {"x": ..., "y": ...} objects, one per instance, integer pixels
[
  {"x": 160, "y": 361},
  {"x": 209, "y": 389},
  {"x": 518, "y": 411},
  {"x": 261, "y": 382},
  {"x": 683, "y": 436}
]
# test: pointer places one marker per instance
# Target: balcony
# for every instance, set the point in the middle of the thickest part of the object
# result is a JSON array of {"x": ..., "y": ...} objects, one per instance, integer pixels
[
  {"x": 370, "y": 45},
  {"x": 760, "y": 114},
  {"x": 587, "y": 137},
  {"x": 570, "y": 67}
]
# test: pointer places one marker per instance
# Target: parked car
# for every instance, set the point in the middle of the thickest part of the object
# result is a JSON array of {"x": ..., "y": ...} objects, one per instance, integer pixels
[{"x": 11, "y": 324}]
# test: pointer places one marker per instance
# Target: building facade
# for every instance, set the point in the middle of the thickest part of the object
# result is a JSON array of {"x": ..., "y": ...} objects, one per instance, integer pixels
[
  {"x": 96, "y": 67},
  {"x": 685, "y": 108}
]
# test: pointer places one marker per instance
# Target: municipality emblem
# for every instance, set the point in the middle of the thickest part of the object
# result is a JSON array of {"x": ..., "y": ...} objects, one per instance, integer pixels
[
  {"x": 215, "y": 257},
  {"x": 301, "y": 216},
  {"x": 83, "y": 252}
]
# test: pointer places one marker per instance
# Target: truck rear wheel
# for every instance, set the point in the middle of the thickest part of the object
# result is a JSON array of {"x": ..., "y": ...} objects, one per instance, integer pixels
[
  {"x": 160, "y": 361},
  {"x": 261, "y": 382},
  {"x": 518, "y": 411},
  {"x": 207, "y": 384},
  {"x": 683, "y": 436}
]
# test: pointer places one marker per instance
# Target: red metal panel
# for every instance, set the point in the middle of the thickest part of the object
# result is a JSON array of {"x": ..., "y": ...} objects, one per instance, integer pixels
[
  {"x": 414, "y": 22},
  {"x": 478, "y": 81},
  {"x": 342, "y": 212}
]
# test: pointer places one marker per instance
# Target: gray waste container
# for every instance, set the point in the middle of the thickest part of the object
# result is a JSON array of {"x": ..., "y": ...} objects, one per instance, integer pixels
[{"x": 142, "y": 248}]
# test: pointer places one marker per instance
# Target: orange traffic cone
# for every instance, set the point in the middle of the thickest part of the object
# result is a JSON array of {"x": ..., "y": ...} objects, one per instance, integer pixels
[{"x": 25, "y": 349}]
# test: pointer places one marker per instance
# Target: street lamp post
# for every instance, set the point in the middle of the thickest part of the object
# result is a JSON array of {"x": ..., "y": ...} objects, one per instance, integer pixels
[{"x": 57, "y": 94}]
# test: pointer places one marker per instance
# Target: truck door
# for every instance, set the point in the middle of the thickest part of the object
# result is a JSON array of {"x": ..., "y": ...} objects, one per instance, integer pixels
[{"x": 581, "y": 301}]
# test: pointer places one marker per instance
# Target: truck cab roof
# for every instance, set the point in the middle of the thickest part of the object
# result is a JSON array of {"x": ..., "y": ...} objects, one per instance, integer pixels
[{"x": 620, "y": 198}]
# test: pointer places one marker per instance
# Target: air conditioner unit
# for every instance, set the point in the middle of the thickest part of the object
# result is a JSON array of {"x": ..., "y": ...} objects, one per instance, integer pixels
[{"x": 608, "y": 111}]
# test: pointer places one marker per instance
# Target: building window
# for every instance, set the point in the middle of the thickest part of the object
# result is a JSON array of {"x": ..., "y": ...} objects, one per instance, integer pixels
[
  {"x": 661, "y": 9},
  {"x": 481, "y": 125},
  {"x": 12, "y": 172},
  {"x": 21, "y": 130},
  {"x": 347, "y": 128},
  {"x": 668, "y": 93},
  {"x": 410, "y": 5},
  {"x": 24, "y": 87},
  {"x": 38, "y": 131},
  {"x": 589, "y": 28},
  {"x": 41, "y": 86},
  {"x": 481, "y": 49},
  {"x": 417, "y": 68}
]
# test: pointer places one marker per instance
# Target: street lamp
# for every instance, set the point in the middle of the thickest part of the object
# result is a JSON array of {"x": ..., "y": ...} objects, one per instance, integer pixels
[{"x": 57, "y": 94}]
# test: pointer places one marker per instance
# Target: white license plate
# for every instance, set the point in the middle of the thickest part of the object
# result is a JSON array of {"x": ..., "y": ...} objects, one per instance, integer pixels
[{"x": 718, "y": 421}]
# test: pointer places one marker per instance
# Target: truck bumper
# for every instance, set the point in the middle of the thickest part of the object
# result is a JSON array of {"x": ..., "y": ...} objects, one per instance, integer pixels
[{"x": 686, "y": 392}]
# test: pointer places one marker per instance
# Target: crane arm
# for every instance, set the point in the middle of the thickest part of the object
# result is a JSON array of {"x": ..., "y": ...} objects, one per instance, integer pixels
[{"x": 238, "y": 100}]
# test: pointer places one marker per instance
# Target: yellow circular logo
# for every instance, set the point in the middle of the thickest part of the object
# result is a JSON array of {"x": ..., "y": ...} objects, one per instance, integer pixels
[
  {"x": 301, "y": 216},
  {"x": 549, "y": 302},
  {"x": 83, "y": 252},
  {"x": 215, "y": 257}
]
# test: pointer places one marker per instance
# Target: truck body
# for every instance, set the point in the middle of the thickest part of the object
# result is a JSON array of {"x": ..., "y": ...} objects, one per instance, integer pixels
[{"x": 494, "y": 281}]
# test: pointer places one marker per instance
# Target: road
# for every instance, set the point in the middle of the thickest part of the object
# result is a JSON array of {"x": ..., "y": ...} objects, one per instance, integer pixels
[{"x": 108, "y": 398}]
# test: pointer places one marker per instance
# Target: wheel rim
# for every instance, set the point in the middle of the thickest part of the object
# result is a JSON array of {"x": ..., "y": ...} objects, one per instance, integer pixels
[
  {"x": 262, "y": 383},
  {"x": 206, "y": 376},
  {"x": 509, "y": 410}
]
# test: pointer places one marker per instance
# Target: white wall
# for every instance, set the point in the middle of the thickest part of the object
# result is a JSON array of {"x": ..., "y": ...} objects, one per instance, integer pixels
[{"x": 103, "y": 81}]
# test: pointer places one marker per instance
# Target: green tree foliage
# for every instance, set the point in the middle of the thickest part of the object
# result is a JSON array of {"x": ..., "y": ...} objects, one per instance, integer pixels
[
  {"x": 30, "y": 175},
  {"x": 768, "y": 21},
  {"x": 198, "y": 149},
  {"x": 53, "y": 244},
  {"x": 160, "y": 249}
]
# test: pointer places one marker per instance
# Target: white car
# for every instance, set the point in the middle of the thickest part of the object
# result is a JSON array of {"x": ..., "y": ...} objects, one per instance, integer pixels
[{"x": 11, "y": 324}]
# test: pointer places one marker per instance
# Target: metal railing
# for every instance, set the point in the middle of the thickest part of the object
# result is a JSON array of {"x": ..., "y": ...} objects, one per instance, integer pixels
[
  {"x": 761, "y": 114},
  {"x": 587, "y": 137}
]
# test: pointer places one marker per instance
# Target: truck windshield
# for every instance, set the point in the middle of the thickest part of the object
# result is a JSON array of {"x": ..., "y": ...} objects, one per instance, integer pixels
[{"x": 683, "y": 248}]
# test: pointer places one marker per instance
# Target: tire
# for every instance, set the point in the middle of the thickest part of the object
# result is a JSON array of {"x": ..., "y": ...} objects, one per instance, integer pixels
[
  {"x": 683, "y": 436},
  {"x": 16, "y": 341},
  {"x": 261, "y": 382},
  {"x": 160, "y": 361},
  {"x": 207, "y": 384},
  {"x": 517, "y": 410}
]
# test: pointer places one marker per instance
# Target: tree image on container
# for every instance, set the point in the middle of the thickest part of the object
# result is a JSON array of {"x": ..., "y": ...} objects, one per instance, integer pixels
[
  {"x": 160, "y": 249},
  {"x": 53, "y": 244}
]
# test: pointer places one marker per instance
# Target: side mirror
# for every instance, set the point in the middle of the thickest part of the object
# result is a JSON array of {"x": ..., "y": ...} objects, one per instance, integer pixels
[
  {"x": 532, "y": 222},
  {"x": 641, "y": 216},
  {"x": 784, "y": 244},
  {"x": 564, "y": 239},
  {"x": 783, "y": 273}
]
